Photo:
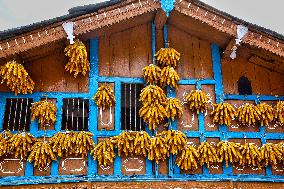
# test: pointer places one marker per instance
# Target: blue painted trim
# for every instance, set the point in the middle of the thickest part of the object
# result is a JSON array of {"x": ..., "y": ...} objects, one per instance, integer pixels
[
  {"x": 153, "y": 42},
  {"x": 2, "y": 111},
  {"x": 8, "y": 181},
  {"x": 29, "y": 169},
  {"x": 167, "y": 6},
  {"x": 252, "y": 97},
  {"x": 165, "y": 33},
  {"x": 121, "y": 79},
  {"x": 54, "y": 167},
  {"x": 93, "y": 109}
]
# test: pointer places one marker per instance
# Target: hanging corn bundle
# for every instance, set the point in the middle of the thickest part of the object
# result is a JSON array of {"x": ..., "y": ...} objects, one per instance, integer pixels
[
  {"x": 251, "y": 155},
  {"x": 158, "y": 149},
  {"x": 198, "y": 101},
  {"x": 62, "y": 144},
  {"x": 5, "y": 145},
  {"x": 188, "y": 158},
  {"x": 153, "y": 115},
  {"x": 133, "y": 143},
  {"x": 44, "y": 111},
  {"x": 152, "y": 94},
  {"x": 152, "y": 111},
  {"x": 125, "y": 143},
  {"x": 21, "y": 144},
  {"x": 82, "y": 142},
  {"x": 175, "y": 140},
  {"x": 173, "y": 108},
  {"x": 266, "y": 113},
  {"x": 41, "y": 154},
  {"x": 77, "y": 58},
  {"x": 152, "y": 74},
  {"x": 223, "y": 113},
  {"x": 207, "y": 154},
  {"x": 104, "y": 153},
  {"x": 169, "y": 76},
  {"x": 248, "y": 114},
  {"x": 16, "y": 78},
  {"x": 104, "y": 97},
  {"x": 228, "y": 151},
  {"x": 279, "y": 112},
  {"x": 271, "y": 154},
  {"x": 167, "y": 57},
  {"x": 280, "y": 147}
]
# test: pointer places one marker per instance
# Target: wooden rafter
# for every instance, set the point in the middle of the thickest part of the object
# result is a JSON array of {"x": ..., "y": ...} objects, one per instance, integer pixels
[
  {"x": 83, "y": 24},
  {"x": 226, "y": 25}
]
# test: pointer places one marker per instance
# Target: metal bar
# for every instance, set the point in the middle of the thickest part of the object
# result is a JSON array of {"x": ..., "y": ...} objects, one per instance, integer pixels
[
  {"x": 72, "y": 114},
  {"x": 83, "y": 101},
  {"x": 9, "y": 117},
  {"x": 67, "y": 114},
  {"x": 78, "y": 112},
  {"x": 19, "y": 122},
  {"x": 15, "y": 113}
]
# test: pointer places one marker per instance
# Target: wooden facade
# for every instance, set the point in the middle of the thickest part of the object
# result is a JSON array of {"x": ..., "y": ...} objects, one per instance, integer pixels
[{"x": 117, "y": 53}]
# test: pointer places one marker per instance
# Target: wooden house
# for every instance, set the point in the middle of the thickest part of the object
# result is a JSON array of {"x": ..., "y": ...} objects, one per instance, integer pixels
[{"x": 122, "y": 38}]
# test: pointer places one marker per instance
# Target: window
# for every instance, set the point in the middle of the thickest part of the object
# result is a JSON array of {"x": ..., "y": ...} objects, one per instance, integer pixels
[
  {"x": 244, "y": 86},
  {"x": 75, "y": 114},
  {"x": 17, "y": 115},
  {"x": 130, "y": 106}
]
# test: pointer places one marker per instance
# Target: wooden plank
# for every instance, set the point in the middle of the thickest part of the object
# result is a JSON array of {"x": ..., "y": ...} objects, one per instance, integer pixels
[
  {"x": 228, "y": 79},
  {"x": 119, "y": 43},
  {"x": 104, "y": 55},
  {"x": 198, "y": 64},
  {"x": 139, "y": 49},
  {"x": 261, "y": 84},
  {"x": 206, "y": 58}
]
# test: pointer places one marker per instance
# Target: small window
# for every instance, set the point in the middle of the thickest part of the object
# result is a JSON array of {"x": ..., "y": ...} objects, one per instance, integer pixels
[
  {"x": 130, "y": 106},
  {"x": 244, "y": 86},
  {"x": 17, "y": 115},
  {"x": 75, "y": 114}
]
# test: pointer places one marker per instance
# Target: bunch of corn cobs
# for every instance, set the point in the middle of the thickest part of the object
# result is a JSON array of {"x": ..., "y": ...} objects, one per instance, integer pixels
[
  {"x": 16, "y": 78},
  {"x": 44, "y": 111},
  {"x": 104, "y": 97},
  {"x": 77, "y": 58}
]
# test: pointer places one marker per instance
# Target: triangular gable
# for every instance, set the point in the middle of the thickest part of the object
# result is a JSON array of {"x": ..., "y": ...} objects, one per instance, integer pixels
[{"x": 128, "y": 9}]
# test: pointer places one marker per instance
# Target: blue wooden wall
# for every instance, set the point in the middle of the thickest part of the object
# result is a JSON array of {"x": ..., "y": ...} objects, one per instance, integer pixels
[{"x": 173, "y": 171}]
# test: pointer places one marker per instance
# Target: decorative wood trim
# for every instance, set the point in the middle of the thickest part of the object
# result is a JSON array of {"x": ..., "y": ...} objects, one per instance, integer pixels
[
  {"x": 224, "y": 24},
  {"x": 83, "y": 24}
]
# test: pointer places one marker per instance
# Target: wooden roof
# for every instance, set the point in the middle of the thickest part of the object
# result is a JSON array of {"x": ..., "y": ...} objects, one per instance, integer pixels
[{"x": 89, "y": 18}]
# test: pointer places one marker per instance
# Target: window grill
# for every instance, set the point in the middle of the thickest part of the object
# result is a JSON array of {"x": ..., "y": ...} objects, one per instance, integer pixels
[
  {"x": 17, "y": 115},
  {"x": 75, "y": 114},
  {"x": 130, "y": 106}
]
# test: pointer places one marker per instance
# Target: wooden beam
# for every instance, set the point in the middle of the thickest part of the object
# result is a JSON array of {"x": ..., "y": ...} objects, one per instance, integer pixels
[
  {"x": 271, "y": 65},
  {"x": 228, "y": 50},
  {"x": 160, "y": 19}
]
